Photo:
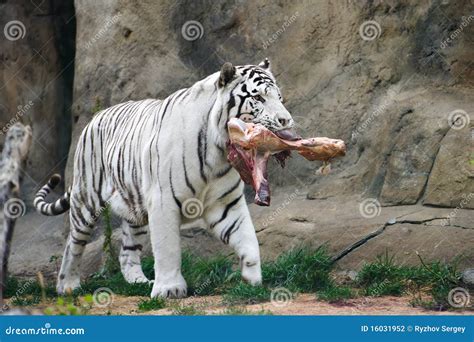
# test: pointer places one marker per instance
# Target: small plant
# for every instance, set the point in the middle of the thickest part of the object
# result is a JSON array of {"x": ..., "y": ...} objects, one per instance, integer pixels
[
  {"x": 334, "y": 294},
  {"x": 21, "y": 288},
  {"x": 382, "y": 277},
  {"x": 26, "y": 301},
  {"x": 97, "y": 106},
  {"x": 299, "y": 270},
  {"x": 116, "y": 283},
  {"x": 242, "y": 311},
  {"x": 151, "y": 304},
  {"x": 55, "y": 259},
  {"x": 70, "y": 306},
  {"x": 186, "y": 310},
  {"x": 206, "y": 276},
  {"x": 385, "y": 277},
  {"x": 244, "y": 293},
  {"x": 111, "y": 265}
]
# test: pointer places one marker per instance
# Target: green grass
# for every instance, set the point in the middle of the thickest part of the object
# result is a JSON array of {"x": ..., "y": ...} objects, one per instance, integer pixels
[
  {"x": 243, "y": 293},
  {"x": 334, "y": 293},
  {"x": 116, "y": 283},
  {"x": 207, "y": 276},
  {"x": 242, "y": 311},
  {"x": 21, "y": 288},
  {"x": 111, "y": 264},
  {"x": 151, "y": 304},
  {"x": 26, "y": 301},
  {"x": 186, "y": 310},
  {"x": 385, "y": 277},
  {"x": 299, "y": 270}
]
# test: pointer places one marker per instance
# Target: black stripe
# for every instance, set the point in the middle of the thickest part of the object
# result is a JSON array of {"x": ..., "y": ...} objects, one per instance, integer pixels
[
  {"x": 78, "y": 242},
  {"x": 80, "y": 231},
  {"x": 224, "y": 172},
  {"x": 226, "y": 211},
  {"x": 225, "y": 235},
  {"x": 200, "y": 156},
  {"x": 188, "y": 183},
  {"x": 132, "y": 248},
  {"x": 230, "y": 190},
  {"x": 178, "y": 203}
]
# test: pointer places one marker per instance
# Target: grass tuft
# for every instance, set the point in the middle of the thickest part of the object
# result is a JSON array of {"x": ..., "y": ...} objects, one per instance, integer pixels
[
  {"x": 151, "y": 304},
  {"x": 116, "y": 283},
  {"x": 207, "y": 276},
  {"x": 187, "y": 310},
  {"x": 384, "y": 277},
  {"x": 243, "y": 293},
  {"x": 333, "y": 294},
  {"x": 242, "y": 311},
  {"x": 299, "y": 270}
]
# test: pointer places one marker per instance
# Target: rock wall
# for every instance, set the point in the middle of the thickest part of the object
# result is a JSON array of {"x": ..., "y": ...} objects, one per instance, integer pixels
[
  {"x": 394, "y": 79},
  {"x": 390, "y": 98},
  {"x": 37, "y": 69}
]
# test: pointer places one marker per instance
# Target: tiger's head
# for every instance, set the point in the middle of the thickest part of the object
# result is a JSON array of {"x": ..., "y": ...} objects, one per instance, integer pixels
[{"x": 253, "y": 96}]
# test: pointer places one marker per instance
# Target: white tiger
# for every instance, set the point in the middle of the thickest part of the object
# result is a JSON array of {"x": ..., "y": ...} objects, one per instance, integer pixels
[{"x": 146, "y": 159}]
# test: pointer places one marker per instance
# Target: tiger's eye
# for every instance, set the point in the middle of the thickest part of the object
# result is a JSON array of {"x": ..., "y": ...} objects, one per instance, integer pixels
[
  {"x": 247, "y": 117},
  {"x": 259, "y": 98}
]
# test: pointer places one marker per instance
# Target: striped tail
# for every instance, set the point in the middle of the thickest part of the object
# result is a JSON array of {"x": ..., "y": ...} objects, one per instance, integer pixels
[{"x": 57, "y": 207}]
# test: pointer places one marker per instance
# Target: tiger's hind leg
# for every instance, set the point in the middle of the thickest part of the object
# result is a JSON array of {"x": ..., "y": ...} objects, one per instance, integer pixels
[
  {"x": 133, "y": 240},
  {"x": 82, "y": 220}
]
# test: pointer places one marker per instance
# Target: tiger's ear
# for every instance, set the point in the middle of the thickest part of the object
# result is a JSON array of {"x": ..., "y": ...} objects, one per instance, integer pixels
[
  {"x": 265, "y": 64},
  {"x": 227, "y": 74}
]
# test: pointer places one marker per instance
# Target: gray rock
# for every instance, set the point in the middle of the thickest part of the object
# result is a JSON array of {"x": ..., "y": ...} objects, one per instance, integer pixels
[{"x": 468, "y": 276}]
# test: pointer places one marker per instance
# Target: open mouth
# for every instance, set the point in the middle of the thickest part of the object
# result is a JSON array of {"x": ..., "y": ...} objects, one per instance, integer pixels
[{"x": 251, "y": 145}]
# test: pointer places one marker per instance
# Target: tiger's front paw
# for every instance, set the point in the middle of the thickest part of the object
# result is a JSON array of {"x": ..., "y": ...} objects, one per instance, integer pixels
[
  {"x": 175, "y": 288},
  {"x": 66, "y": 286},
  {"x": 251, "y": 271}
]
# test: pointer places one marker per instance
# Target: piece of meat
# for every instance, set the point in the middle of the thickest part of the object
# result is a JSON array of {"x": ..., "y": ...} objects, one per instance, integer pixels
[{"x": 250, "y": 145}]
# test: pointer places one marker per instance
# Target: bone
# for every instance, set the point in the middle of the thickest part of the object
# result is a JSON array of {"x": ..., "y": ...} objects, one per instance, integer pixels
[
  {"x": 254, "y": 136},
  {"x": 250, "y": 145}
]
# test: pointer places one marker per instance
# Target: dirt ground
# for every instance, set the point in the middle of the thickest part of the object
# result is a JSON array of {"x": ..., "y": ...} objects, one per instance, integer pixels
[{"x": 303, "y": 304}]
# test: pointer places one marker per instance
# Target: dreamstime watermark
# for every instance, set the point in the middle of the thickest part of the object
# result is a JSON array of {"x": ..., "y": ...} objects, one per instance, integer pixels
[
  {"x": 281, "y": 297},
  {"x": 465, "y": 200},
  {"x": 459, "y": 297},
  {"x": 202, "y": 287},
  {"x": 192, "y": 30},
  {"x": 388, "y": 100},
  {"x": 370, "y": 208},
  {"x": 370, "y": 30},
  {"x": 103, "y": 297},
  {"x": 14, "y": 30},
  {"x": 458, "y": 119},
  {"x": 464, "y": 23},
  {"x": 274, "y": 37},
  {"x": 19, "y": 292},
  {"x": 98, "y": 213},
  {"x": 192, "y": 208},
  {"x": 22, "y": 110},
  {"x": 14, "y": 208},
  {"x": 46, "y": 330},
  {"x": 280, "y": 208},
  {"x": 379, "y": 289},
  {"x": 109, "y": 22}
]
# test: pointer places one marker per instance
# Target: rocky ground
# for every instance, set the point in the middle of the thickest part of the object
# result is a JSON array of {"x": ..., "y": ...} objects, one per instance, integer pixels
[
  {"x": 291, "y": 220},
  {"x": 302, "y": 304},
  {"x": 406, "y": 184}
]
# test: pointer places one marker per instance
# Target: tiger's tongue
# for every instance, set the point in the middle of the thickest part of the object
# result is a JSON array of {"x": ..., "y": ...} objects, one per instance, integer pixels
[{"x": 252, "y": 167}]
